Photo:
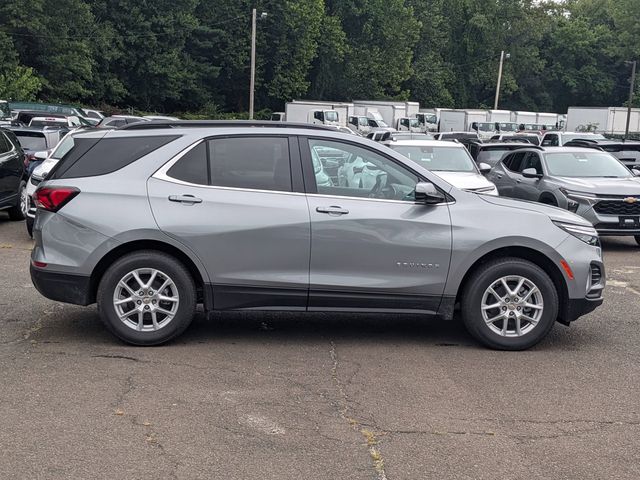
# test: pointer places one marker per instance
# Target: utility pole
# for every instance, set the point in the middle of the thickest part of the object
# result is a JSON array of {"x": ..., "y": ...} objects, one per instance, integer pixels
[
  {"x": 253, "y": 62},
  {"x": 502, "y": 57},
  {"x": 631, "y": 89}
]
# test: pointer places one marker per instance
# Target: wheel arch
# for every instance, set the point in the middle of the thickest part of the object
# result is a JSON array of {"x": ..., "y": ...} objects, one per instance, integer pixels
[
  {"x": 534, "y": 256},
  {"x": 203, "y": 294}
]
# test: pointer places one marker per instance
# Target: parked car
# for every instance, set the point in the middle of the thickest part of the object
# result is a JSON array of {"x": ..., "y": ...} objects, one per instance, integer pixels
[
  {"x": 13, "y": 180},
  {"x": 117, "y": 121},
  {"x": 94, "y": 115},
  {"x": 456, "y": 135},
  {"x": 230, "y": 214},
  {"x": 51, "y": 108},
  {"x": 449, "y": 160},
  {"x": 492, "y": 153},
  {"x": 557, "y": 139},
  {"x": 37, "y": 143},
  {"x": 60, "y": 121},
  {"x": 532, "y": 138},
  {"x": 591, "y": 183},
  {"x": 5, "y": 113},
  {"x": 628, "y": 152},
  {"x": 161, "y": 117}
]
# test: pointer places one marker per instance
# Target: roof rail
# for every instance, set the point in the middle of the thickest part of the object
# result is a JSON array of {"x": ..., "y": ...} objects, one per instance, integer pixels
[{"x": 154, "y": 124}]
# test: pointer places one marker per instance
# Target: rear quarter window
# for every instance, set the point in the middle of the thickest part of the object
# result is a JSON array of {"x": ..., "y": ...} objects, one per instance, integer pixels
[{"x": 92, "y": 157}]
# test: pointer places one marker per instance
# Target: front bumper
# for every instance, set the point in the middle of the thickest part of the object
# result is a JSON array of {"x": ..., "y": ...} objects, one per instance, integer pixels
[
  {"x": 576, "y": 308},
  {"x": 62, "y": 287}
]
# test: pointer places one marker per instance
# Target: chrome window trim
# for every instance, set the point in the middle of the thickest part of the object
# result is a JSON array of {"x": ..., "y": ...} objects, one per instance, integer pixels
[{"x": 384, "y": 200}]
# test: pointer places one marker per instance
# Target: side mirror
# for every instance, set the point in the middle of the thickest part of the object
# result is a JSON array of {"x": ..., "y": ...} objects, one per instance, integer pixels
[
  {"x": 428, "y": 194},
  {"x": 531, "y": 173},
  {"x": 484, "y": 168},
  {"x": 41, "y": 155}
]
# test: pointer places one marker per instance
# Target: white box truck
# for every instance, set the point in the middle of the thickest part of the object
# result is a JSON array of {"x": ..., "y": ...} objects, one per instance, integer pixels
[
  {"x": 315, "y": 112},
  {"x": 390, "y": 112},
  {"x": 547, "y": 119},
  {"x": 466, "y": 121},
  {"x": 524, "y": 117},
  {"x": 612, "y": 120}
]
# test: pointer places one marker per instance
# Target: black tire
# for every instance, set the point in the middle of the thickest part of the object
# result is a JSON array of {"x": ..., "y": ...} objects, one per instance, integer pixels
[
  {"x": 29, "y": 222},
  {"x": 16, "y": 213},
  {"x": 147, "y": 259},
  {"x": 487, "y": 275},
  {"x": 637, "y": 237}
]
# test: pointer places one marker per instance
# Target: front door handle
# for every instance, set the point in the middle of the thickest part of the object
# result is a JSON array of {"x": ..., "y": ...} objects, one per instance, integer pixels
[
  {"x": 188, "y": 199},
  {"x": 332, "y": 210},
  {"x": 518, "y": 181}
]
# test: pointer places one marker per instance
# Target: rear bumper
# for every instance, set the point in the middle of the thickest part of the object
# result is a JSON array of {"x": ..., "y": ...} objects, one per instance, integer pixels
[{"x": 62, "y": 287}]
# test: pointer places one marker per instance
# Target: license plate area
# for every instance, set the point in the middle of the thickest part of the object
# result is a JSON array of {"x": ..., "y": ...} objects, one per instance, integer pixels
[{"x": 630, "y": 221}]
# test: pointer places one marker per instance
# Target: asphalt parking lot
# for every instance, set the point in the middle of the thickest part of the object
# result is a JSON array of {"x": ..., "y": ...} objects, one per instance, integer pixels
[{"x": 274, "y": 396}]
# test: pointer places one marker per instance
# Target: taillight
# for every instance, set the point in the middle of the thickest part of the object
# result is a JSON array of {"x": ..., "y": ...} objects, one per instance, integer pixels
[{"x": 54, "y": 198}]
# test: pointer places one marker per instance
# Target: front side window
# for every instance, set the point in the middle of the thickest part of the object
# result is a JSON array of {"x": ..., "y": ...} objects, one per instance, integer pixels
[
  {"x": 352, "y": 171},
  {"x": 5, "y": 145},
  {"x": 513, "y": 162},
  {"x": 259, "y": 163},
  {"x": 531, "y": 160}
]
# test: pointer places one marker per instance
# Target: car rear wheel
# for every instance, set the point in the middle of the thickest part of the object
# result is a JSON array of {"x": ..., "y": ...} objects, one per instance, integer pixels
[
  {"x": 147, "y": 298},
  {"x": 509, "y": 304},
  {"x": 19, "y": 212}
]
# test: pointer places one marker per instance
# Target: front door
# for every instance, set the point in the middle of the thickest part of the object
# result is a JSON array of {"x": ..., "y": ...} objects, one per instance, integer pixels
[
  {"x": 372, "y": 247},
  {"x": 528, "y": 188},
  {"x": 233, "y": 201}
]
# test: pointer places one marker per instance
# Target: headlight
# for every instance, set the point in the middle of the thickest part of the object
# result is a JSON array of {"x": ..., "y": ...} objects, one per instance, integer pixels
[
  {"x": 582, "y": 197},
  {"x": 588, "y": 235}
]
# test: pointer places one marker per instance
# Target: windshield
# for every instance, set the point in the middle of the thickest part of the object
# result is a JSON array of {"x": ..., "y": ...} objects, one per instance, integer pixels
[
  {"x": 585, "y": 164},
  {"x": 32, "y": 140},
  {"x": 5, "y": 113},
  {"x": 486, "y": 127},
  {"x": 446, "y": 159},
  {"x": 331, "y": 116},
  {"x": 575, "y": 136},
  {"x": 508, "y": 127},
  {"x": 363, "y": 121},
  {"x": 382, "y": 123},
  {"x": 414, "y": 123},
  {"x": 63, "y": 148}
]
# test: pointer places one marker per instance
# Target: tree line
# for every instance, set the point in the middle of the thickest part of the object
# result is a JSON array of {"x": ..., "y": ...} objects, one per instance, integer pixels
[{"x": 194, "y": 55}]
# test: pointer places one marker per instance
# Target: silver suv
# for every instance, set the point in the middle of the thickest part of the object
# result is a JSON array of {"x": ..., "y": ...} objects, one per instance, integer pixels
[
  {"x": 589, "y": 182},
  {"x": 153, "y": 218}
]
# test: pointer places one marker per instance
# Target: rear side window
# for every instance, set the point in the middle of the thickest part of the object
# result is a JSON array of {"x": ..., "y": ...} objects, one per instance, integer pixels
[
  {"x": 93, "y": 156},
  {"x": 253, "y": 163}
]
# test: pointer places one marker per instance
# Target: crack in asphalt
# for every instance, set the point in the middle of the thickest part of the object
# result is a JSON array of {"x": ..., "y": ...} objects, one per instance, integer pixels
[{"x": 369, "y": 436}]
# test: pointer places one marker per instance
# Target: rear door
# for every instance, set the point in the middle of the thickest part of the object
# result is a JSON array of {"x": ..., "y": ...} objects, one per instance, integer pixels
[
  {"x": 9, "y": 175},
  {"x": 506, "y": 174},
  {"x": 372, "y": 247},
  {"x": 238, "y": 203}
]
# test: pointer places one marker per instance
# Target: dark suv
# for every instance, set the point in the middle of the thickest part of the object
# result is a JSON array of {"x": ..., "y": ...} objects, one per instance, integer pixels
[{"x": 13, "y": 181}]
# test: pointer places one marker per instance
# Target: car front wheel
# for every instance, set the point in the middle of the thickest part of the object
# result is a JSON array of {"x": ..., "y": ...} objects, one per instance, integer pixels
[
  {"x": 509, "y": 304},
  {"x": 146, "y": 298}
]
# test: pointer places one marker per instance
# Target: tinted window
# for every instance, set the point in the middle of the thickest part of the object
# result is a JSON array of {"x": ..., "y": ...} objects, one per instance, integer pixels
[
  {"x": 32, "y": 140},
  {"x": 107, "y": 155},
  {"x": 352, "y": 171},
  {"x": 550, "y": 141},
  {"x": 513, "y": 162},
  {"x": 260, "y": 163},
  {"x": 5, "y": 146},
  {"x": 192, "y": 167},
  {"x": 116, "y": 123},
  {"x": 531, "y": 160}
]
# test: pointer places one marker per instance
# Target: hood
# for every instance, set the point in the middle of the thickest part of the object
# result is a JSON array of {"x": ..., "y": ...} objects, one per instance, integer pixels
[
  {"x": 464, "y": 180},
  {"x": 602, "y": 186},
  {"x": 554, "y": 213}
]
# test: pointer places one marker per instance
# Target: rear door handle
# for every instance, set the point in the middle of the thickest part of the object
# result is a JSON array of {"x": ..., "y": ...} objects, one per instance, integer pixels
[
  {"x": 188, "y": 199},
  {"x": 332, "y": 210}
]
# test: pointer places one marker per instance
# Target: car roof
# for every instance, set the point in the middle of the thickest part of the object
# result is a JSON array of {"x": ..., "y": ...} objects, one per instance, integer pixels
[
  {"x": 506, "y": 145},
  {"x": 566, "y": 149}
]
